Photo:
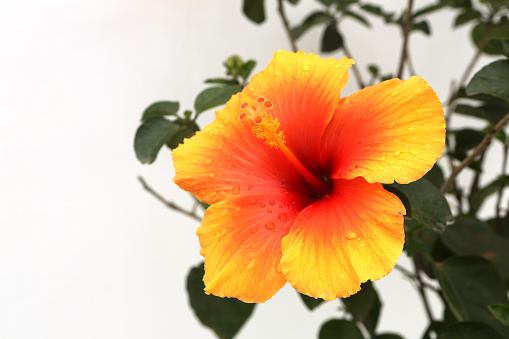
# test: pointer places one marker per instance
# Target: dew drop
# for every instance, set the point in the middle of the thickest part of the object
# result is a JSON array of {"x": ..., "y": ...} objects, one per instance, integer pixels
[
  {"x": 382, "y": 158},
  {"x": 414, "y": 152},
  {"x": 360, "y": 140},
  {"x": 305, "y": 68},
  {"x": 411, "y": 128},
  {"x": 391, "y": 125},
  {"x": 236, "y": 189},
  {"x": 392, "y": 162},
  {"x": 253, "y": 201},
  {"x": 272, "y": 202},
  {"x": 352, "y": 236},
  {"x": 247, "y": 172},
  {"x": 249, "y": 187},
  {"x": 326, "y": 196},
  {"x": 394, "y": 93},
  {"x": 397, "y": 153},
  {"x": 208, "y": 161},
  {"x": 297, "y": 77},
  {"x": 396, "y": 141},
  {"x": 269, "y": 211},
  {"x": 251, "y": 263},
  {"x": 282, "y": 216},
  {"x": 255, "y": 245},
  {"x": 352, "y": 167},
  {"x": 270, "y": 226},
  {"x": 367, "y": 148},
  {"x": 262, "y": 205},
  {"x": 253, "y": 230},
  {"x": 278, "y": 268},
  {"x": 212, "y": 175}
]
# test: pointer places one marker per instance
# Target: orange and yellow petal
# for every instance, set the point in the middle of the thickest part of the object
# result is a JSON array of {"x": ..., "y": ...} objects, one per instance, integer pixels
[
  {"x": 241, "y": 243},
  {"x": 393, "y": 131},
  {"x": 335, "y": 244},
  {"x": 305, "y": 90},
  {"x": 225, "y": 159}
]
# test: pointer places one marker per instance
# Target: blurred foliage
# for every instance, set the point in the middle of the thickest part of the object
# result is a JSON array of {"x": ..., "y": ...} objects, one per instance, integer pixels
[{"x": 463, "y": 255}]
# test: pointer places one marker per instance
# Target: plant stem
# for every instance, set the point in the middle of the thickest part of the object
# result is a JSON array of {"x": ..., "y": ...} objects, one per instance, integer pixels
[
  {"x": 406, "y": 33},
  {"x": 355, "y": 69},
  {"x": 289, "y": 32},
  {"x": 414, "y": 277},
  {"x": 168, "y": 204},
  {"x": 477, "y": 151},
  {"x": 500, "y": 191},
  {"x": 422, "y": 293}
]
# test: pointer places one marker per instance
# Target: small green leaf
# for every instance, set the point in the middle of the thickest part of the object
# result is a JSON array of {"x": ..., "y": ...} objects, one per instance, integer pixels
[
  {"x": 224, "y": 316},
  {"x": 151, "y": 136},
  {"x": 422, "y": 26},
  {"x": 469, "y": 236},
  {"x": 254, "y": 10},
  {"x": 435, "y": 176},
  {"x": 364, "y": 306},
  {"x": 501, "y": 312},
  {"x": 160, "y": 109},
  {"x": 340, "y": 328},
  {"x": 466, "y": 16},
  {"x": 501, "y": 44},
  {"x": 491, "y": 113},
  {"x": 498, "y": 30},
  {"x": 469, "y": 330},
  {"x": 214, "y": 96},
  {"x": 479, "y": 196},
  {"x": 429, "y": 206},
  {"x": 467, "y": 139},
  {"x": 311, "y": 20},
  {"x": 331, "y": 39},
  {"x": 233, "y": 65},
  {"x": 311, "y": 303},
  {"x": 357, "y": 17},
  {"x": 222, "y": 81},
  {"x": 374, "y": 70},
  {"x": 378, "y": 11},
  {"x": 457, "y": 3},
  {"x": 492, "y": 80},
  {"x": 246, "y": 69},
  {"x": 427, "y": 10},
  {"x": 496, "y": 4},
  {"x": 469, "y": 285}
]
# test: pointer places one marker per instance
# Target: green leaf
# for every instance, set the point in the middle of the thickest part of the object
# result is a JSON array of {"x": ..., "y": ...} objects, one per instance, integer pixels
[
  {"x": 491, "y": 113},
  {"x": 340, "y": 328},
  {"x": 498, "y": 30},
  {"x": 331, "y": 39},
  {"x": 222, "y": 81},
  {"x": 467, "y": 139},
  {"x": 492, "y": 80},
  {"x": 466, "y": 16},
  {"x": 479, "y": 196},
  {"x": 246, "y": 69},
  {"x": 469, "y": 236},
  {"x": 469, "y": 330},
  {"x": 374, "y": 70},
  {"x": 224, "y": 316},
  {"x": 214, "y": 96},
  {"x": 151, "y": 136},
  {"x": 388, "y": 336},
  {"x": 311, "y": 20},
  {"x": 378, "y": 11},
  {"x": 435, "y": 176},
  {"x": 502, "y": 45},
  {"x": 422, "y": 26},
  {"x": 429, "y": 206},
  {"x": 457, "y": 3},
  {"x": 160, "y": 109},
  {"x": 364, "y": 306},
  {"x": 254, "y": 10},
  {"x": 311, "y": 303},
  {"x": 501, "y": 312},
  {"x": 469, "y": 285},
  {"x": 496, "y": 4},
  {"x": 427, "y": 10},
  {"x": 357, "y": 17},
  {"x": 233, "y": 65},
  {"x": 186, "y": 129}
]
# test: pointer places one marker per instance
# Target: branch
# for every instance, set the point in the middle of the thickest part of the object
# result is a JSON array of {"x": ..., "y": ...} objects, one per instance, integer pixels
[
  {"x": 477, "y": 151},
  {"x": 414, "y": 277},
  {"x": 168, "y": 204},
  {"x": 406, "y": 33},
  {"x": 289, "y": 32},
  {"x": 355, "y": 69},
  {"x": 500, "y": 191},
  {"x": 422, "y": 293}
]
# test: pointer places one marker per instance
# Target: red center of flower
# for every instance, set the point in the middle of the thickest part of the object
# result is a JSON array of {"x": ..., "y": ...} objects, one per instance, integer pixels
[{"x": 265, "y": 127}]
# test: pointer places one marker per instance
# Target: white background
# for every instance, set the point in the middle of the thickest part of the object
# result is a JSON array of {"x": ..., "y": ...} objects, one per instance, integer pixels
[{"x": 84, "y": 251}]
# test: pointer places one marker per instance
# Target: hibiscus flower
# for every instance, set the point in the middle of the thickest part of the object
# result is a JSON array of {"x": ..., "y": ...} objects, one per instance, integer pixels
[{"x": 294, "y": 174}]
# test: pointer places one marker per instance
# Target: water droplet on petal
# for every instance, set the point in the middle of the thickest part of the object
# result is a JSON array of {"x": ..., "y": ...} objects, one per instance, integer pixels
[
  {"x": 236, "y": 189},
  {"x": 251, "y": 263},
  {"x": 414, "y": 152},
  {"x": 278, "y": 268},
  {"x": 269, "y": 211},
  {"x": 367, "y": 148},
  {"x": 249, "y": 187},
  {"x": 396, "y": 141},
  {"x": 282, "y": 216},
  {"x": 382, "y": 158},
  {"x": 297, "y": 77},
  {"x": 253, "y": 201},
  {"x": 272, "y": 202},
  {"x": 247, "y": 172},
  {"x": 326, "y": 196},
  {"x": 212, "y": 175},
  {"x": 270, "y": 226},
  {"x": 397, "y": 153},
  {"x": 305, "y": 68},
  {"x": 208, "y": 161},
  {"x": 255, "y": 244},
  {"x": 262, "y": 205},
  {"x": 253, "y": 230},
  {"x": 352, "y": 236}
]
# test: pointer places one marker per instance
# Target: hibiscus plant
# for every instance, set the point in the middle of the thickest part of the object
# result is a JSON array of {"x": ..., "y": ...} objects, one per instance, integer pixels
[{"x": 302, "y": 185}]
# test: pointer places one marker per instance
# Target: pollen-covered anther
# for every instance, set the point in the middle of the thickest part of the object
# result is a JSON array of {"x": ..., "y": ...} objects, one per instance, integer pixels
[{"x": 265, "y": 126}]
